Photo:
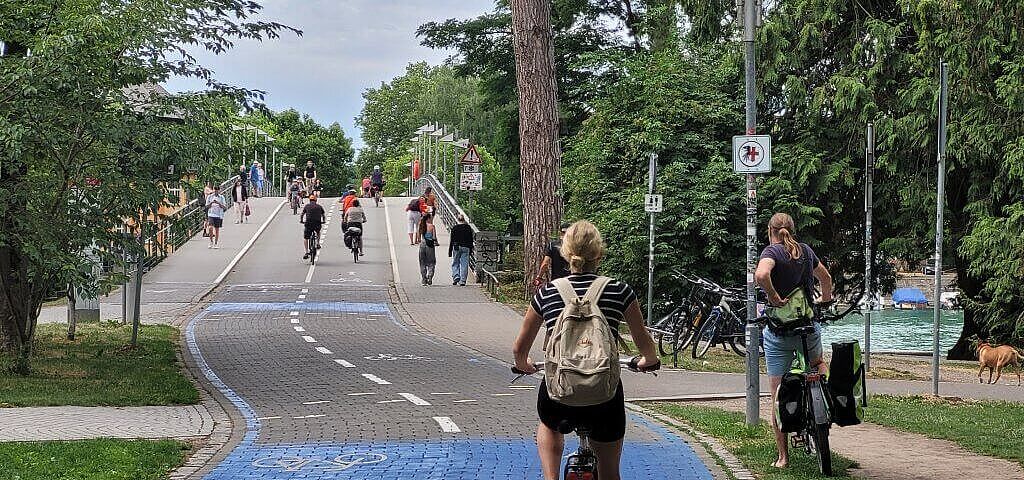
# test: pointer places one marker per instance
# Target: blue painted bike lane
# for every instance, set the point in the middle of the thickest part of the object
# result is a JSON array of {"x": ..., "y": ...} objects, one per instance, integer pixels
[{"x": 453, "y": 455}]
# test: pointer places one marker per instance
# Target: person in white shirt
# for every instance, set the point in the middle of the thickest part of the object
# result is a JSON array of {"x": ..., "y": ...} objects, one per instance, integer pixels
[{"x": 215, "y": 207}]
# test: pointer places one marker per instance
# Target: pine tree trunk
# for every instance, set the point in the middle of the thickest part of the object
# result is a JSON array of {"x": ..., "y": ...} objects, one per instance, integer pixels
[{"x": 538, "y": 128}]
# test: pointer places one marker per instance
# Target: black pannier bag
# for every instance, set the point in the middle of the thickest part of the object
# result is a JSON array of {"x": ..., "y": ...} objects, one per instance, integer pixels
[
  {"x": 789, "y": 410},
  {"x": 847, "y": 384}
]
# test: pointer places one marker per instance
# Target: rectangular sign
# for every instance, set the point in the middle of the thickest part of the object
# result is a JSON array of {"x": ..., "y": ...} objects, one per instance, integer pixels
[
  {"x": 752, "y": 154},
  {"x": 471, "y": 168},
  {"x": 652, "y": 203},
  {"x": 472, "y": 181}
]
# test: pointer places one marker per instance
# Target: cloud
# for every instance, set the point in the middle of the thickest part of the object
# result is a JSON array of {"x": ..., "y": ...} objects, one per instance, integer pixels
[{"x": 347, "y": 46}]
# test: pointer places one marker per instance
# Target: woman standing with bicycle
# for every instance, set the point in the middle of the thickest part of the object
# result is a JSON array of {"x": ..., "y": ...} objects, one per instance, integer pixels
[
  {"x": 606, "y": 422},
  {"x": 789, "y": 267}
]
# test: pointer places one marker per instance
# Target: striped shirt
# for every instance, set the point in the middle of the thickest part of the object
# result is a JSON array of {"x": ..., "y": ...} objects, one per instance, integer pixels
[{"x": 617, "y": 296}]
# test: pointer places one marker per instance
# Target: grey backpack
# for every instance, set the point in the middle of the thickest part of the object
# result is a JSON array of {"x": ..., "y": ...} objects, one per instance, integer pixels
[{"x": 581, "y": 365}]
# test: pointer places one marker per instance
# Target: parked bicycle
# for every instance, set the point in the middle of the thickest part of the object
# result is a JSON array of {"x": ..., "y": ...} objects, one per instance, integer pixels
[{"x": 582, "y": 464}]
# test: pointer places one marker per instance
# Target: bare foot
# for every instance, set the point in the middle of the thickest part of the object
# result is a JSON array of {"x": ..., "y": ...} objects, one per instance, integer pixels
[{"x": 781, "y": 463}]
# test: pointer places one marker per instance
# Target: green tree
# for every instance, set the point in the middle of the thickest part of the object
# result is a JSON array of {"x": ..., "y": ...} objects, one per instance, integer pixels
[
  {"x": 300, "y": 139},
  {"x": 69, "y": 118}
]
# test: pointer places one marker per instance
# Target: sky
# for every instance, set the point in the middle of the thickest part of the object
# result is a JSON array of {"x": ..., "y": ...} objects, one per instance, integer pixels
[{"x": 347, "y": 46}]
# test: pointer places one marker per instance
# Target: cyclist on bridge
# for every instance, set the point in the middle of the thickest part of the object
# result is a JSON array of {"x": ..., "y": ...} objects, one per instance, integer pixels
[
  {"x": 376, "y": 181},
  {"x": 313, "y": 216},
  {"x": 790, "y": 267},
  {"x": 583, "y": 246}
]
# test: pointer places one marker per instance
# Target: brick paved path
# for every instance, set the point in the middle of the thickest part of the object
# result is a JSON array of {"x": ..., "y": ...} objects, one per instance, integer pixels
[
  {"x": 76, "y": 423},
  {"x": 331, "y": 382}
]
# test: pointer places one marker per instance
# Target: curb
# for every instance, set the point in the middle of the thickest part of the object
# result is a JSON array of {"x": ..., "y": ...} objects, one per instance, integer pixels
[
  {"x": 229, "y": 425},
  {"x": 711, "y": 397}
]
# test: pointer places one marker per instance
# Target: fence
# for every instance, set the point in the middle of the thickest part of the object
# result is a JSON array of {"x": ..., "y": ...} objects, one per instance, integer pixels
[{"x": 171, "y": 232}]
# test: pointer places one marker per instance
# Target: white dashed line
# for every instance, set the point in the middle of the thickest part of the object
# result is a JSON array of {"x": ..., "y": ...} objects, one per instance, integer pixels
[
  {"x": 314, "y": 313},
  {"x": 318, "y": 402},
  {"x": 299, "y": 329},
  {"x": 309, "y": 339},
  {"x": 447, "y": 425},
  {"x": 268, "y": 418},
  {"x": 414, "y": 399},
  {"x": 390, "y": 401},
  {"x": 299, "y": 301},
  {"x": 360, "y": 394},
  {"x": 373, "y": 378},
  {"x": 324, "y": 350},
  {"x": 464, "y": 401},
  {"x": 294, "y": 314},
  {"x": 503, "y": 394},
  {"x": 344, "y": 363},
  {"x": 522, "y": 387},
  {"x": 295, "y": 320},
  {"x": 305, "y": 290},
  {"x": 309, "y": 416},
  {"x": 302, "y": 297}
]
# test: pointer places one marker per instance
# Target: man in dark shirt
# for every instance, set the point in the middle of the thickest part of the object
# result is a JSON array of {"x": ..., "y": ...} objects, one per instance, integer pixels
[
  {"x": 460, "y": 248},
  {"x": 310, "y": 173},
  {"x": 553, "y": 260},
  {"x": 313, "y": 216}
]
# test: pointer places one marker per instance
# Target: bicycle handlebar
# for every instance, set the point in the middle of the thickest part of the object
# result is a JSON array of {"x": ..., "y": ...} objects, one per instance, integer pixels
[{"x": 630, "y": 363}]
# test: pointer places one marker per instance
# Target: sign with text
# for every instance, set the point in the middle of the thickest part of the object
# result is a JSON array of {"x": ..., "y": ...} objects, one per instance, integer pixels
[
  {"x": 752, "y": 154},
  {"x": 652, "y": 203},
  {"x": 472, "y": 182},
  {"x": 471, "y": 169}
]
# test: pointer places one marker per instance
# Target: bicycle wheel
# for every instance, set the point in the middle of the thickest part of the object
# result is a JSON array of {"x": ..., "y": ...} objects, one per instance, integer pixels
[
  {"x": 313, "y": 239},
  {"x": 819, "y": 437},
  {"x": 705, "y": 338},
  {"x": 356, "y": 245}
]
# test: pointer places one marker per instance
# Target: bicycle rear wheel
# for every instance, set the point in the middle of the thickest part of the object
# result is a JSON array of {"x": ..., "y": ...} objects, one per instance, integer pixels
[
  {"x": 313, "y": 240},
  {"x": 819, "y": 438},
  {"x": 693, "y": 324},
  {"x": 705, "y": 338},
  {"x": 356, "y": 245}
]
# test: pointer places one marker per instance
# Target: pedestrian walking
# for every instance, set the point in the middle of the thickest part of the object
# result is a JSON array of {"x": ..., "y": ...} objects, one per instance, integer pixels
[
  {"x": 215, "y": 208},
  {"x": 460, "y": 248},
  {"x": 428, "y": 203},
  {"x": 428, "y": 258},
  {"x": 240, "y": 195},
  {"x": 413, "y": 212},
  {"x": 255, "y": 178},
  {"x": 263, "y": 180},
  {"x": 207, "y": 190},
  {"x": 243, "y": 174},
  {"x": 553, "y": 261},
  {"x": 789, "y": 268}
]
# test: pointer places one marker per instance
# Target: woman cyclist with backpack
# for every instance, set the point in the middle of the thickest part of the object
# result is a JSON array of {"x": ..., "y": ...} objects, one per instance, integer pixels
[
  {"x": 789, "y": 268},
  {"x": 616, "y": 302}
]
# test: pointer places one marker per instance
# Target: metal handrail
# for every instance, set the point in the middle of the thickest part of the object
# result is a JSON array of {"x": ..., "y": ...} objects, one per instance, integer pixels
[{"x": 176, "y": 229}]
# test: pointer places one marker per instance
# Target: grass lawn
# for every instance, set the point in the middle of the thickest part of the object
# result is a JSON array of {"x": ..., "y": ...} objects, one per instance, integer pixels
[
  {"x": 985, "y": 427},
  {"x": 98, "y": 369},
  {"x": 104, "y": 459},
  {"x": 754, "y": 446}
]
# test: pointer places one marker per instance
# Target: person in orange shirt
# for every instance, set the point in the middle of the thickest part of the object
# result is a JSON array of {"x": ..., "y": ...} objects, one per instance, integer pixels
[{"x": 428, "y": 203}]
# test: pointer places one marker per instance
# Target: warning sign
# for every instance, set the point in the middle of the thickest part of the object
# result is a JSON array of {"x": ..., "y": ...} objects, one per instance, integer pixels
[{"x": 471, "y": 156}]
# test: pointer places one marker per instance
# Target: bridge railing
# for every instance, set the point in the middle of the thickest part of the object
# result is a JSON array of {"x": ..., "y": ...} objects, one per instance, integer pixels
[{"x": 169, "y": 233}]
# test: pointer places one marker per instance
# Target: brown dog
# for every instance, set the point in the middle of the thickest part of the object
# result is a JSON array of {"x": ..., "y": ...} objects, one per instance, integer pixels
[{"x": 995, "y": 358}]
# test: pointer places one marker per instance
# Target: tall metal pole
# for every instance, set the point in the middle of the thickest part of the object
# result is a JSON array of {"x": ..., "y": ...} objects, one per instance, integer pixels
[
  {"x": 869, "y": 259},
  {"x": 939, "y": 207},
  {"x": 652, "y": 174},
  {"x": 753, "y": 396}
]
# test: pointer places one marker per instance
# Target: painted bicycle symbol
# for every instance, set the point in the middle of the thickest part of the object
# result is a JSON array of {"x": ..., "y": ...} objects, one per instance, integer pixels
[
  {"x": 390, "y": 357},
  {"x": 340, "y": 463},
  {"x": 350, "y": 280}
]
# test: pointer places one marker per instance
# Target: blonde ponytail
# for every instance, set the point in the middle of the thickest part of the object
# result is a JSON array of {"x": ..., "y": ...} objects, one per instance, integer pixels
[
  {"x": 583, "y": 247},
  {"x": 782, "y": 226}
]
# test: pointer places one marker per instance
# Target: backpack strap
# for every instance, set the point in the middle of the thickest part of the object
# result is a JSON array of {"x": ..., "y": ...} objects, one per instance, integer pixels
[
  {"x": 596, "y": 289},
  {"x": 565, "y": 289}
]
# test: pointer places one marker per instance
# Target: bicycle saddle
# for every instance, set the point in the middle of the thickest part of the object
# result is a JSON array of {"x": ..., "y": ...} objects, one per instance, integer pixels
[{"x": 565, "y": 427}]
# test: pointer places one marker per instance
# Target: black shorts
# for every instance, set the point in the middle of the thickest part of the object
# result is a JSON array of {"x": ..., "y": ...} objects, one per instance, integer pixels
[
  {"x": 606, "y": 422},
  {"x": 310, "y": 227},
  {"x": 216, "y": 222}
]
